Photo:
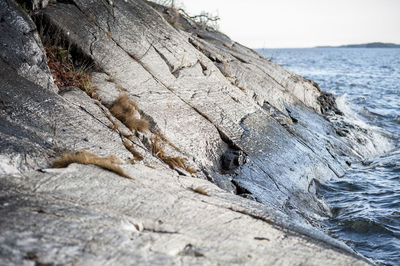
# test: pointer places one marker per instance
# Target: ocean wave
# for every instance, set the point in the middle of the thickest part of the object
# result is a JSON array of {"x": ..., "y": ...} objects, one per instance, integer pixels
[{"x": 375, "y": 141}]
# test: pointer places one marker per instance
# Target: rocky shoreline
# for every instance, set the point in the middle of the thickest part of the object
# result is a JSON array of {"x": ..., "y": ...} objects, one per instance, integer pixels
[{"x": 221, "y": 152}]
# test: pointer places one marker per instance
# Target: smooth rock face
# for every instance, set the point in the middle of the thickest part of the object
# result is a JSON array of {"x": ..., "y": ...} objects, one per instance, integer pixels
[{"x": 242, "y": 122}]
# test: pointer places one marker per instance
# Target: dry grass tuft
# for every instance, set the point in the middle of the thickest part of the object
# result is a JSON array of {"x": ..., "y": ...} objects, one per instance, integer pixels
[
  {"x": 84, "y": 157},
  {"x": 190, "y": 170},
  {"x": 112, "y": 159},
  {"x": 136, "y": 155},
  {"x": 128, "y": 138},
  {"x": 157, "y": 149},
  {"x": 157, "y": 146},
  {"x": 114, "y": 125},
  {"x": 63, "y": 70},
  {"x": 126, "y": 111},
  {"x": 140, "y": 124},
  {"x": 124, "y": 104},
  {"x": 174, "y": 162},
  {"x": 126, "y": 135}
]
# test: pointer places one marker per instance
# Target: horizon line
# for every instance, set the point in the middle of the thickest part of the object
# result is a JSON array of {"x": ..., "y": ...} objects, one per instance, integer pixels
[{"x": 327, "y": 46}]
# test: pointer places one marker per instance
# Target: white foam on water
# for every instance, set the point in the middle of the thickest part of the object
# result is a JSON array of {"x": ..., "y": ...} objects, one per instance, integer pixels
[{"x": 375, "y": 141}]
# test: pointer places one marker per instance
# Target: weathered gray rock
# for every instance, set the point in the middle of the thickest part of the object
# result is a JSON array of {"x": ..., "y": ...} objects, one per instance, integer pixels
[
  {"x": 242, "y": 122},
  {"x": 21, "y": 48},
  {"x": 82, "y": 215},
  {"x": 175, "y": 79}
]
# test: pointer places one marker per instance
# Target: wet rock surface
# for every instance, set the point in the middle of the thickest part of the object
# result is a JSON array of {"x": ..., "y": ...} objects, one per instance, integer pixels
[
  {"x": 243, "y": 123},
  {"x": 328, "y": 104}
]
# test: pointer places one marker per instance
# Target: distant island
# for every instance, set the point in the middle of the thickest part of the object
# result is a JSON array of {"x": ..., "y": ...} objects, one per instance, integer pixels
[{"x": 365, "y": 45}]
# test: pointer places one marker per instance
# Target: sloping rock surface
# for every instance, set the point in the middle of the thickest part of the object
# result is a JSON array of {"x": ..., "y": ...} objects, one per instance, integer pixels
[
  {"x": 21, "y": 48},
  {"x": 243, "y": 123}
]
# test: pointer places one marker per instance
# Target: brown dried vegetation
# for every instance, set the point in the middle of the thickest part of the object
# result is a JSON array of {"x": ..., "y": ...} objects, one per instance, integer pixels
[
  {"x": 136, "y": 155},
  {"x": 114, "y": 125},
  {"x": 84, "y": 157},
  {"x": 157, "y": 149},
  {"x": 63, "y": 71},
  {"x": 125, "y": 110}
]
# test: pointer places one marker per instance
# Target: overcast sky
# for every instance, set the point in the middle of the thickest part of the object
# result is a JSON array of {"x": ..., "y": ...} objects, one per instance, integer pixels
[{"x": 304, "y": 23}]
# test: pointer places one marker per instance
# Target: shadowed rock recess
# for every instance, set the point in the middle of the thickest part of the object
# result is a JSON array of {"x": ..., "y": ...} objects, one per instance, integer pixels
[{"x": 222, "y": 170}]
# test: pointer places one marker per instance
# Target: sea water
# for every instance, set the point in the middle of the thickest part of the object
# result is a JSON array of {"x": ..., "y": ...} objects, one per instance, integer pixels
[{"x": 365, "y": 202}]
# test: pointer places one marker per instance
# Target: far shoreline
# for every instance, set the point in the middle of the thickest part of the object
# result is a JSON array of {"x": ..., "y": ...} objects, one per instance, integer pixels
[{"x": 373, "y": 45}]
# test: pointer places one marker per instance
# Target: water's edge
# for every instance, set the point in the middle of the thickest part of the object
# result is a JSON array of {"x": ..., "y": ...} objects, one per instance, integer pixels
[{"x": 365, "y": 202}]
